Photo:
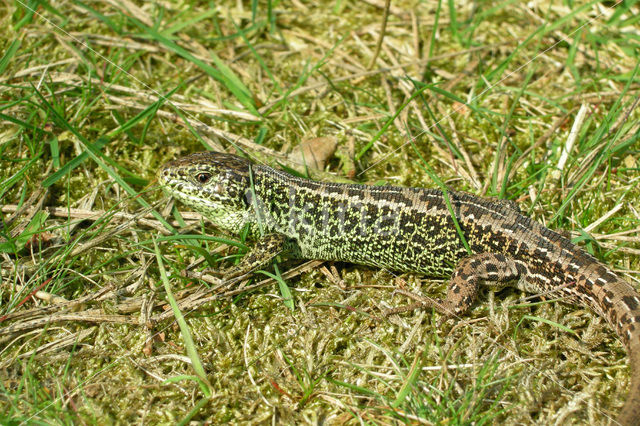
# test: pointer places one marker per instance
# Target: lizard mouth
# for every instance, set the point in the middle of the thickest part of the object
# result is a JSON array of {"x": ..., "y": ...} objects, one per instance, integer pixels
[{"x": 164, "y": 174}]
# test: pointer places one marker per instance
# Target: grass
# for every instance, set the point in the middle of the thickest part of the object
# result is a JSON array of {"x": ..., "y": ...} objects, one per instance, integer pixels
[{"x": 482, "y": 97}]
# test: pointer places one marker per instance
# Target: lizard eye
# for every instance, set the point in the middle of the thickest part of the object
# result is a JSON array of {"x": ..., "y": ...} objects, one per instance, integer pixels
[{"x": 203, "y": 177}]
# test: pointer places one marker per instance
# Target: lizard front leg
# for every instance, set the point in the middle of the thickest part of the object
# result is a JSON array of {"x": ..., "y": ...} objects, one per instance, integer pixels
[
  {"x": 265, "y": 250},
  {"x": 492, "y": 269}
]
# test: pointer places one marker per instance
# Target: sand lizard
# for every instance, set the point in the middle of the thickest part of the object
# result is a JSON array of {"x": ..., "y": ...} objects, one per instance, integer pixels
[{"x": 408, "y": 230}]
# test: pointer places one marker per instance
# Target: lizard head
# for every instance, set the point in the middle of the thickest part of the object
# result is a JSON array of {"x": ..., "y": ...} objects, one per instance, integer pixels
[{"x": 212, "y": 183}]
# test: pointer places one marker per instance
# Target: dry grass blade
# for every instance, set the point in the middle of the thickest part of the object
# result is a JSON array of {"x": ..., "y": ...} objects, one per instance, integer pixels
[{"x": 90, "y": 315}]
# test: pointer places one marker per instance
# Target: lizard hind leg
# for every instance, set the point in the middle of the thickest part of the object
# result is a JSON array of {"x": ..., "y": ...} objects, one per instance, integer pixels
[{"x": 491, "y": 269}]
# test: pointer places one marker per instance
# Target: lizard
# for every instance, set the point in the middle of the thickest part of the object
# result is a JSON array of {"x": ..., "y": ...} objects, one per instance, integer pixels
[{"x": 474, "y": 241}]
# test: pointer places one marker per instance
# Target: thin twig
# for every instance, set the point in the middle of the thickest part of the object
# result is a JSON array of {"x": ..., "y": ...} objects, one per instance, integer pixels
[{"x": 383, "y": 29}]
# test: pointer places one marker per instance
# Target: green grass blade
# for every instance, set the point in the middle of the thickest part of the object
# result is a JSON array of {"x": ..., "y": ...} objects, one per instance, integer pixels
[
  {"x": 223, "y": 74},
  {"x": 285, "y": 292},
  {"x": 408, "y": 384},
  {"x": 543, "y": 320},
  {"x": 69, "y": 166},
  {"x": 99, "y": 16},
  {"x": 605, "y": 152},
  {"x": 445, "y": 193},
  {"x": 34, "y": 227},
  {"x": 182, "y": 323},
  {"x": 386, "y": 125},
  {"x": 20, "y": 174},
  {"x": 96, "y": 156},
  {"x": 8, "y": 54}
]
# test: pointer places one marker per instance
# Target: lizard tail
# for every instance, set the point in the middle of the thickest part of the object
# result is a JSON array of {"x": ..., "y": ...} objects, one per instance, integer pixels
[
  {"x": 630, "y": 413},
  {"x": 619, "y": 303}
]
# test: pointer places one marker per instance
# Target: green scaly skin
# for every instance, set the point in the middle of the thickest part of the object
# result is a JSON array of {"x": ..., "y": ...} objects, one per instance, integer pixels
[{"x": 407, "y": 230}]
